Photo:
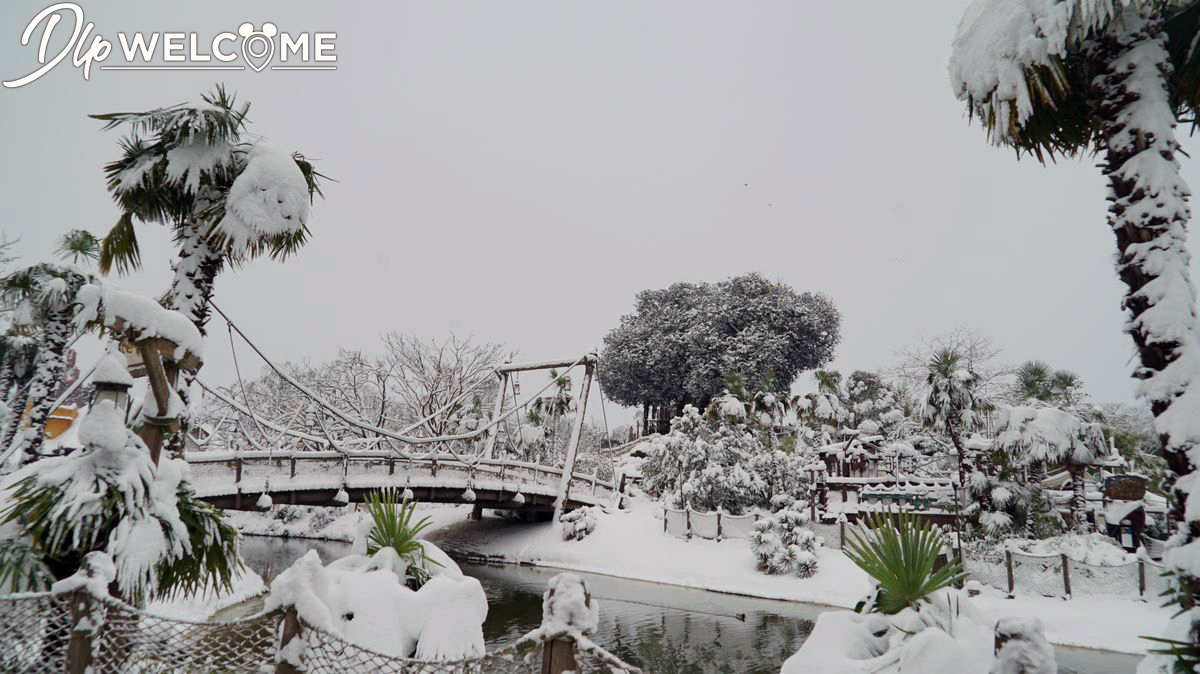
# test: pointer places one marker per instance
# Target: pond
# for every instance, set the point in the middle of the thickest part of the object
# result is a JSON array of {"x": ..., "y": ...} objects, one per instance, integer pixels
[{"x": 664, "y": 629}]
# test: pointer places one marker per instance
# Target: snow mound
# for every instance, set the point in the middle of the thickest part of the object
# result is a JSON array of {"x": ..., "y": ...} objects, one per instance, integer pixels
[
  {"x": 946, "y": 634},
  {"x": 1025, "y": 649},
  {"x": 1095, "y": 549},
  {"x": 269, "y": 198},
  {"x": 364, "y": 600},
  {"x": 568, "y": 606}
]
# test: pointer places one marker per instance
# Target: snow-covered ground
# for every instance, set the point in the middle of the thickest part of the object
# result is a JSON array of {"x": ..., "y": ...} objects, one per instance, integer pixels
[{"x": 631, "y": 544}]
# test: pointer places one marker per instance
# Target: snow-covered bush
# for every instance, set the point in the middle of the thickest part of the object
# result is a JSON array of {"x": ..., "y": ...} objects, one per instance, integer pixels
[
  {"x": 944, "y": 633},
  {"x": 366, "y": 600},
  {"x": 109, "y": 496},
  {"x": 708, "y": 465},
  {"x": 578, "y": 523},
  {"x": 783, "y": 545}
]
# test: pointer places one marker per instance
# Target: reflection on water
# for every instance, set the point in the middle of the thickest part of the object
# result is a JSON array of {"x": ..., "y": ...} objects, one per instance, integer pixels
[{"x": 661, "y": 628}]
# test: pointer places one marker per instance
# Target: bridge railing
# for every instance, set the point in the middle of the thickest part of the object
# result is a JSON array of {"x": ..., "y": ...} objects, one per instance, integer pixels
[{"x": 216, "y": 473}]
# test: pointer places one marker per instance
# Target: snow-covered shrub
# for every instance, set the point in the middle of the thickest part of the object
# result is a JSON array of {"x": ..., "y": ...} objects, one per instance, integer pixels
[
  {"x": 366, "y": 600},
  {"x": 944, "y": 633},
  {"x": 708, "y": 465},
  {"x": 783, "y": 545},
  {"x": 323, "y": 517},
  {"x": 109, "y": 496},
  {"x": 578, "y": 523}
]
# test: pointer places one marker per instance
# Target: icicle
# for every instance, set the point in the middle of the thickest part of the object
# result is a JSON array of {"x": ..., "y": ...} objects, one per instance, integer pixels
[
  {"x": 518, "y": 498},
  {"x": 406, "y": 495},
  {"x": 341, "y": 497}
]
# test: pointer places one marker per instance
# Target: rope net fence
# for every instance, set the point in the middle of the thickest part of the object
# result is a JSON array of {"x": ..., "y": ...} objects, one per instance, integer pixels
[
  {"x": 44, "y": 632},
  {"x": 1044, "y": 575}
]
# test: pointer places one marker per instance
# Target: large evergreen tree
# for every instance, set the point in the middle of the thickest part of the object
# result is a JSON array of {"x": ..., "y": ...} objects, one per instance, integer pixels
[{"x": 681, "y": 342}]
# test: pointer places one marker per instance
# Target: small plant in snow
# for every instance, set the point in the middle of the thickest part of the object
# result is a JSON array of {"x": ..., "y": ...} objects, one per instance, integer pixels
[
  {"x": 578, "y": 523},
  {"x": 783, "y": 545},
  {"x": 899, "y": 553},
  {"x": 393, "y": 527}
]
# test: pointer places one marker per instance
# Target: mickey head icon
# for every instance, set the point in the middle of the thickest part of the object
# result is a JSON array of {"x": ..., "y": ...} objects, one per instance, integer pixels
[{"x": 258, "y": 45}]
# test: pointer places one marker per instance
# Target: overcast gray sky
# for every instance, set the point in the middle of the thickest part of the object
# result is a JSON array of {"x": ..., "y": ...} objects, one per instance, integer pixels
[{"x": 518, "y": 170}]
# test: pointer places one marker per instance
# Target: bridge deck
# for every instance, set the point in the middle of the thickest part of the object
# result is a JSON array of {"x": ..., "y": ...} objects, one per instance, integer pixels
[{"x": 235, "y": 480}]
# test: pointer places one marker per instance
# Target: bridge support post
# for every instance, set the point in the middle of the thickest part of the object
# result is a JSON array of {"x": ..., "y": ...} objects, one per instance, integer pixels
[
  {"x": 576, "y": 432},
  {"x": 489, "y": 447}
]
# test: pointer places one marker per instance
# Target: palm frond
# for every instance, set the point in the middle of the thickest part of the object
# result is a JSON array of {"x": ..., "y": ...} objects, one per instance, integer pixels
[
  {"x": 119, "y": 248},
  {"x": 78, "y": 244}
]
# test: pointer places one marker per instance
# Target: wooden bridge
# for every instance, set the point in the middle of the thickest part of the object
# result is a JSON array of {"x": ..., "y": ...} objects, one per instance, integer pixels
[{"x": 237, "y": 480}]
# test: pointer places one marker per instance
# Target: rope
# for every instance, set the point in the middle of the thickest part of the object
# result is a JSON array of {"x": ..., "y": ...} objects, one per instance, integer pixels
[
  {"x": 242, "y": 384},
  {"x": 412, "y": 440}
]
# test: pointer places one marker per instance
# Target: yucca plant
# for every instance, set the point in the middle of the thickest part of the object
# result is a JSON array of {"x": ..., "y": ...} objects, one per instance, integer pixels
[
  {"x": 899, "y": 552},
  {"x": 394, "y": 528}
]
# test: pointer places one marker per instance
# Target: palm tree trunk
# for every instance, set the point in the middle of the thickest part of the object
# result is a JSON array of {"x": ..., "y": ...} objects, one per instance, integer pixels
[
  {"x": 195, "y": 272},
  {"x": 1149, "y": 214},
  {"x": 47, "y": 376},
  {"x": 16, "y": 411},
  {"x": 1079, "y": 523}
]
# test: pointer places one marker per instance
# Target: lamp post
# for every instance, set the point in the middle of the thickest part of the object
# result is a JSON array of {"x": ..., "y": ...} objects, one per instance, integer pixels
[{"x": 112, "y": 383}]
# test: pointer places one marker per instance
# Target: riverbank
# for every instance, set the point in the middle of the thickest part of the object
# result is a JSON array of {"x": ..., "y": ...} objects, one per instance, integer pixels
[{"x": 631, "y": 544}]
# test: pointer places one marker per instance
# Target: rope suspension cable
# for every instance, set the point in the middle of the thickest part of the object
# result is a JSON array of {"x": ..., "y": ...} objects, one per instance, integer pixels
[
  {"x": 414, "y": 440},
  {"x": 348, "y": 418},
  {"x": 242, "y": 384}
]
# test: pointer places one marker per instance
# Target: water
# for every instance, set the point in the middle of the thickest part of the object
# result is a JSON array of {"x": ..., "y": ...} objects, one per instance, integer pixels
[{"x": 662, "y": 628}]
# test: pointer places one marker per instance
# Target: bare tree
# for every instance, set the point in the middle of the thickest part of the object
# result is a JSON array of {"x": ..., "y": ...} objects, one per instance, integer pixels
[
  {"x": 425, "y": 376},
  {"x": 976, "y": 349}
]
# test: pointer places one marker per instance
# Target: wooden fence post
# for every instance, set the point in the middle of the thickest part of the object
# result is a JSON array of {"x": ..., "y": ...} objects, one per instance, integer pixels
[
  {"x": 718, "y": 523},
  {"x": 79, "y": 648},
  {"x": 1142, "y": 577},
  {"x": 842, "y": 535},
  {"x": 1066, "y": 565},
  {"x": 688, "y": 514},
  {"x": 288, "y": 630},
  {"x": 293, "y": 467},
  {"x": 558, "y": 656},
  {"x": 1008, "y": 563}
]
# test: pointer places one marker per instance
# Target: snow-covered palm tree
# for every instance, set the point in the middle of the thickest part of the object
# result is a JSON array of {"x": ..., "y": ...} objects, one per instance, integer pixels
[
  {"x": 1047, "y": 434},
  {"x": 43, "y": 298},
  {"x": 1079, "y": 77},
  {"x": 1036, "y": 380},
  {"x": 226, "y": 196},
  {"x": 953, "y": 404}
]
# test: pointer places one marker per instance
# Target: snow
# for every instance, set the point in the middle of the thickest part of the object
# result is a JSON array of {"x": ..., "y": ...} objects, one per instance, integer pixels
[
  {"x": 1096, "y": 549},
  {"x": 1026, "y": 650},
  {"x": 112, "y": 369},
  {"x": 946, "y": 634},
  {"x": 268, "y": 198},
  {"x": 94, "y": 575},
  {"x": 1047, "y": 434},
  {"x": 631, "y": 544},
  {"x": 1116, "y": 511},
  {"x": 568, "y": 606},
  {"x": 147, "y": 318},
  {"x": 365, "y": 601},
  {"x": 264, "y": 502},
  {"x": 186, "y": 162}
]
